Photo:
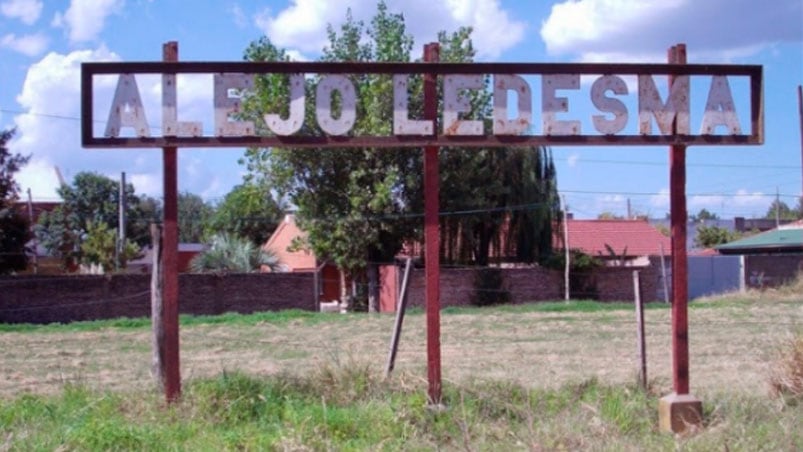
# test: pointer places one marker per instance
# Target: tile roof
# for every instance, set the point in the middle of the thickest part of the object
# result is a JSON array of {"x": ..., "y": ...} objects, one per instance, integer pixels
[
  {"x": 282, "y": 238},
  {"x": 638, "y": 237}
]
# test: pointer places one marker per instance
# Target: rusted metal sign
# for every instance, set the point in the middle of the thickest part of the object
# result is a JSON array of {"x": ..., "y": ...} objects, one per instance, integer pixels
[{"x": 511, "y": 123}]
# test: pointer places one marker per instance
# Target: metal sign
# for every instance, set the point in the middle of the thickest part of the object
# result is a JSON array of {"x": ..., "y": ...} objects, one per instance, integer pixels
[
  {"x": 554, "y": 123},
  {"x": 127, "y": 126}
]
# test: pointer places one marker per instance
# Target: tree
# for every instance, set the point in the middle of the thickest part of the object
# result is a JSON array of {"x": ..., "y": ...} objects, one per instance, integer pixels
[
  {"x": 516, "y": 190},
  {"x": 711, "y": 236},
  {"x": 345, "y": 197},
  {"x": 151, "y": 209},
  {"x": 248, "y": 211},
  {"x": 14, "y": 233},
  {"x": 229, "y": 253},
  {"x": 91, "y": 199},
  {"x": 609, "y": 216},
  {"x": 781, "y": 210},
  {"x": 194, "y": 217},
  {"x": 359, "y": 205},
  {"x": 703, "y": 215},
  {"x": 99, "y": 248}
]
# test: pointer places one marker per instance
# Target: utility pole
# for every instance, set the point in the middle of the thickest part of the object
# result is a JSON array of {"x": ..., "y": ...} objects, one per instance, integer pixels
[
  {"x": 629, "y": 212},
  {"x": 33, "y": 239},
  {"x": 121, "y": 208},
  {"x": 800, "y": 115},
  {"x": 777, "y": 208},
  {"x": 567, "y": 256}
]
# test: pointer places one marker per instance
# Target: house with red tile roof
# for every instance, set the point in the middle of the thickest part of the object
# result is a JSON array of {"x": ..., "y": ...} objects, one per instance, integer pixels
[
  {"x": 299, "y": 259},
  {"x": 628, "y": 242}
]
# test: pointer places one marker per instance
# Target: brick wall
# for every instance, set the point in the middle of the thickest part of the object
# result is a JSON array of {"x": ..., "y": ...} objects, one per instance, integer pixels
[
  {"x": 47, "y": 299},
  {"x": 770, "y": 270},
  {"x": 538, "y": 284}
]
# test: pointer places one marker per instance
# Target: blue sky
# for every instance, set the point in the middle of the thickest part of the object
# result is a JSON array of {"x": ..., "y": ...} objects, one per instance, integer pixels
[{"x": 43, "y": 43}]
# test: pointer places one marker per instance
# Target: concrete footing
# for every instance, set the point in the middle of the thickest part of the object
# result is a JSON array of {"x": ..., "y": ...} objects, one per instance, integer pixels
[{"x": 677, "y": 413}]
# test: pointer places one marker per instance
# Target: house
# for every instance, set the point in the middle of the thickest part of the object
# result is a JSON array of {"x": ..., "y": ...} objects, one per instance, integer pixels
[
  {"x": 37, "y": 208},
  {"x": 784, "y": 239},
  {"x": 770, "y": 258},
  {"x": 186, "y": 251},
  {"x": 299, "y": 259},
  {"x": 737, "y": 224},
  {"x": 39, "y": 261},
  {"x": 617, "y": 242}
]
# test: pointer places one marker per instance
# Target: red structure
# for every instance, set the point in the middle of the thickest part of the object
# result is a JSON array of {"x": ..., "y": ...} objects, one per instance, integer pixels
[
  {"x": 128, "y": 111},
  {"x": 431, "y": 234},
  {"x": 170, "y": 260}
]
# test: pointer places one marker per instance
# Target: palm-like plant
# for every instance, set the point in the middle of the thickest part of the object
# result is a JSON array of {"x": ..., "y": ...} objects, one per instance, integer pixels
[{"x": 232, "y": 254}]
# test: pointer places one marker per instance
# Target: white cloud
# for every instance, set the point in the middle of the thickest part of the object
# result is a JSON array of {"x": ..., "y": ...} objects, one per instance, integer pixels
[
  {"x": 660, "y": 201},
  {"x": 745, "y": 199},
  {"x": 487, "y": 18},
  {"x": 145, "y": 183},
  {"x": 239, "y": 16},
  {"x": 30, "y": 45},
  {"x": 51, "y": 98},
  {"x": 39, "y": 175},
  {"x": 642, "y": 30},
  {"x": 49, "y": 131},
  {"x": 85, "y": 19},
  {"x": 740, "y": 203},
  {"x": 27, "y": 11},
  {"x": 302, "y": 25},
  {"x": 708, "y": 202},
  {"x": 572, "y": 160}
]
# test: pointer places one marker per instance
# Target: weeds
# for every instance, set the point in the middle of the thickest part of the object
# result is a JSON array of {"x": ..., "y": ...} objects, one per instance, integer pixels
[
  {"x": 786, "y": 371},
  {"x": 340, "y": 408}
]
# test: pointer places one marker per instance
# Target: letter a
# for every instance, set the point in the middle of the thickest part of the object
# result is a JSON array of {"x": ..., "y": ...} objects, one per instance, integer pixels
[
  {"x": 127, "y": 110},
  {"x": 719, "y": 108}
]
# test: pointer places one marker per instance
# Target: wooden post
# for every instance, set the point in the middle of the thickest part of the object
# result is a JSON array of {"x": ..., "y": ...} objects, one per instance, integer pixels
[
  {"x": 170, "y": 258},
  {"x": 679, "y": 410},
  {"x": 33, "y": 236},
  {"x": 642, "y": 346},
  {"x": 680, "y": 290},
  {"x": 431, "y": 232},
  {"x": 157, "y": 327},
  {"x": 567, "y": 253},
  {"x": 397, "y": 326},
  {"x": 663, "y": 275}
]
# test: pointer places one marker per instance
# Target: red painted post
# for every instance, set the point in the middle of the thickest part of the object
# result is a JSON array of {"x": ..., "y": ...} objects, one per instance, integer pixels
[
  {"x": 680, "y": 292},
  {"x": 170, "y": 259},
  {"x": 431, "y": 235}
]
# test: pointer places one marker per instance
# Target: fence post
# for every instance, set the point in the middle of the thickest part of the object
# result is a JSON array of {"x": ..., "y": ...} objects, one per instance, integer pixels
[
  {"x": 157, "y": 327},
  {"x": 642, "y": 346},
  {"x": 400, "y": 310}
]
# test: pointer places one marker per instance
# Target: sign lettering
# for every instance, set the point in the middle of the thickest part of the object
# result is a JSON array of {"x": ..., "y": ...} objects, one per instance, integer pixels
[{"x": 661, "y": 118}]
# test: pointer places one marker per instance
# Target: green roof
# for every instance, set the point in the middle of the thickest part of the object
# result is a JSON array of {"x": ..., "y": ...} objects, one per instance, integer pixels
[{"x": 776, "y": 240}]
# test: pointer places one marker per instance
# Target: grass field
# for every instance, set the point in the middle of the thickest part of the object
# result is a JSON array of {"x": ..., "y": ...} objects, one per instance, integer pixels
[{"x": 541, "y": 376}]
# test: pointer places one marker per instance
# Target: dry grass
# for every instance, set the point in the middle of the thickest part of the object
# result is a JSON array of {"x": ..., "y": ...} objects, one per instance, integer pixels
[
  {"x": 732, "y": 345},
  {"x": 786, "y": 371}
]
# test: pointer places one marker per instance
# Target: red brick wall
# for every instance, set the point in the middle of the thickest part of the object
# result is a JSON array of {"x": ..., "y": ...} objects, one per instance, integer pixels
[
  {"x": 47, "y": 299},
  {"x": 539, "y": 284},
  {"x": 771, "y": 270}
]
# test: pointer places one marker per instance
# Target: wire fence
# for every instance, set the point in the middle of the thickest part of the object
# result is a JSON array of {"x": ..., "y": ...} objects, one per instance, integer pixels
[{"x": 534, "y": 347}]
